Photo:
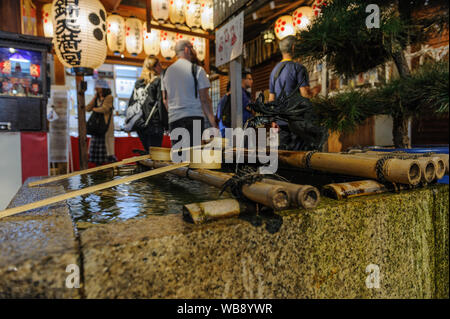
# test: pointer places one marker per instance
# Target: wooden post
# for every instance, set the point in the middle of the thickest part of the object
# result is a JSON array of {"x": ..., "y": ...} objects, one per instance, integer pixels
[
  {"x": 148, "y": 13},
  {"x": 324, "y": 75},
  {"x": 236, "y": 92},
  {"x": 82, "y": 139},
  {"x": 207, "y": 68},
  {"x": 10, "y": 16}
]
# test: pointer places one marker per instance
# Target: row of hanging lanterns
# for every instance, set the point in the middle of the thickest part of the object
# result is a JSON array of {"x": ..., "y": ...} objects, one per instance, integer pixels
[
  {"x": 195, "y": 13},
  {"x": 299, "y": 20},
  {"x": 137, "y": 38},
  {"x": 121, "y": 34}
]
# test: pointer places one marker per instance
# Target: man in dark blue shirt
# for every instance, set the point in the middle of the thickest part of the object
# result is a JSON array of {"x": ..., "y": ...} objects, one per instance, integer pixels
[{"x": 287, "y": 76}]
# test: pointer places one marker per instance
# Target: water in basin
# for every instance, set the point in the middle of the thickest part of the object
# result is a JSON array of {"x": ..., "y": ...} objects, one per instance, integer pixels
[{"x": 155, "y": 195}]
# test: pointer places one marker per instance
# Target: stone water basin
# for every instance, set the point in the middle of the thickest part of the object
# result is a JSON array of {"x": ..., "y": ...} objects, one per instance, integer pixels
[{"x": 320, "y": 253}]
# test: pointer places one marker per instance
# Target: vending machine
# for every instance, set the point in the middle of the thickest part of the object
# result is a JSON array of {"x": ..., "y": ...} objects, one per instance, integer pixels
[{"x": 24, "y": 91}]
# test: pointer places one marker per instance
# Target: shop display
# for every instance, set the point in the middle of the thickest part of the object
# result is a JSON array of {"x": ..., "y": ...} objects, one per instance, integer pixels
[{"x": 20, "y": 72}]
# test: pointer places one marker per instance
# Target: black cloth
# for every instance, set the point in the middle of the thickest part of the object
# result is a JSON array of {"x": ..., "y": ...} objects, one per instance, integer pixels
[
  {"x": 150, "y": 137},
  {"x": 188, "y": 124}
]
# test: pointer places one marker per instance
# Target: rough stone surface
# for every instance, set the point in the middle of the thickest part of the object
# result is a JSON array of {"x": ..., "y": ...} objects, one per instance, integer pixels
[
  {"x": 36, "y": 247},
  {"x": 323, "y": 253}
]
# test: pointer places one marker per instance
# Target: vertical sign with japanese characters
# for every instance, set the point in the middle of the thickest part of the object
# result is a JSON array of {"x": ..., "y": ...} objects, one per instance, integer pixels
[{"x": 229, "y": 40}]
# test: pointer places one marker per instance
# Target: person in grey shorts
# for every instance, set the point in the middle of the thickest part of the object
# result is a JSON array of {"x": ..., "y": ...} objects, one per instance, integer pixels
[{"x": 185, "y": 92}]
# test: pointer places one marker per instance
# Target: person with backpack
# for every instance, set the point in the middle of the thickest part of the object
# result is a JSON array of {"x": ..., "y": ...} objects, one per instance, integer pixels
[
  {"x": 146, "y": 113},
  {"x": 223, "y": 114},
  {"x": 286, "y": 76},
  {"x": 185, "y": 88}
]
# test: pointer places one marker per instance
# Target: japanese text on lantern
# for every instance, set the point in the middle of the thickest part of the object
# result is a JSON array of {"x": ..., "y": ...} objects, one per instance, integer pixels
[{"x": 67, "y": 29}]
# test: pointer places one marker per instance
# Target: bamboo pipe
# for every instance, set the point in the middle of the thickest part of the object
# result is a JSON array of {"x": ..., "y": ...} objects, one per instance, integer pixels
[
  {"x": 428, "y": 165},
  {"x": 356, "y": 188},
  {"x": 274, "y": 196},
  {"x": 394, "y": 170},
  {"x": 305, "y": 196},
  {"x": 200, "y": 213},
  {"x": 88, "y": 190},
  {"x": 89, "y": 170},
  {"x": 444, "y": 158},
  {"x": 440, "y": 161}
]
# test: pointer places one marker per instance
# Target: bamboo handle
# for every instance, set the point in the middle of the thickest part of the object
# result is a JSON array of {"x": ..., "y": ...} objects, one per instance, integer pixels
[
  {"x": 88, "y": 190},
  {"x": 89, "y": 170}
]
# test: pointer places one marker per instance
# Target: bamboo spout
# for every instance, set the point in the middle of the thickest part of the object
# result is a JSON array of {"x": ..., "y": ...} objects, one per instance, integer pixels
[
  {"x": 305, "y": 196},
  {"x": 200, "y": 213},
  {"x": 357, "y": 188},
  {"x": 394, "y": 170},
  {"x": 274, "y": 196},
  {"x": 430, "y": 171},
  {"x": 440, "y": 166}
]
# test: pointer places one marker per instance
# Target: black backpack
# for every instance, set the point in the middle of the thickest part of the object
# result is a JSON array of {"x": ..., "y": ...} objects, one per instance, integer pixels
[{"x": 225, "y": 112}]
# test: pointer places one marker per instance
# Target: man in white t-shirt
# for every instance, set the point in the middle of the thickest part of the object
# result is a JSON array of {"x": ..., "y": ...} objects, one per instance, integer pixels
[{"x": 185, "y": 92}]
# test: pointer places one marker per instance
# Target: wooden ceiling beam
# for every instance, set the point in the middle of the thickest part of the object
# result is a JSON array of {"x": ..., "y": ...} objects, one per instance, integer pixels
[
  {"x": 285, "y": 9},
  {"x": 111, "y": 5}
]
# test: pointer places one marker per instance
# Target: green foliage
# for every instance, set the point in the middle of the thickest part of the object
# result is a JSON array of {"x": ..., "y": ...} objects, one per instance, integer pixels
[
  {"x": 424, "y": 92},
  {"x": 340, "y": 34}
]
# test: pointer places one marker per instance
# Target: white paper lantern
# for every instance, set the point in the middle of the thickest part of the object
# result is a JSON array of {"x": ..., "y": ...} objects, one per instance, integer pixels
[
  {"x": 176, "y": 11},
  {"x": 47, "y": 20},
  {"x": 302, "y": 18},
  {"x": 199, "y": 45},
  {"x": 151, "y": 41},
  {"x": 284, "y": 27},
  {"x": 193, "y": 13},
  {"x": 160, "y": 10},
  {"x": 116, "y": 33},
  {"x": 180, "y": 36},
  {"x": 80, "y": 33},
  {"x": 318, "y": 5},
  {"x": 168, "y": 40},
  {"x": 207, "y": 15},
  {"x": 133, "y": 35}
]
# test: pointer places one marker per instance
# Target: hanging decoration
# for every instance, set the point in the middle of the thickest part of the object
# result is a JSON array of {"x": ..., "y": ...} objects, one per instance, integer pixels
[
  {"x": 176, "y": 12},
  {"x": 284, "y": 27},
  {"x": 193, "y": 14},
  {"x": 47, "y": 20},
  {"x": 35, "y": 70},
  {"x": 207, "y": 16},
  {"x": 133, "y": 35},
  {"x": 80, "y": 34},
  {"x": 151, "y": 41},
  {"x": 302, "y": 18},
  {"x": 268, "y": 36},
  {"x": 199, "y": 45},
  {"x": 5, "y": 67},
  {"x": 116, "y": 33},
  {"x": 318, "y": 5},
  {"x": 168, "y": 40},
  {"x": 160, "y": 10}
]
